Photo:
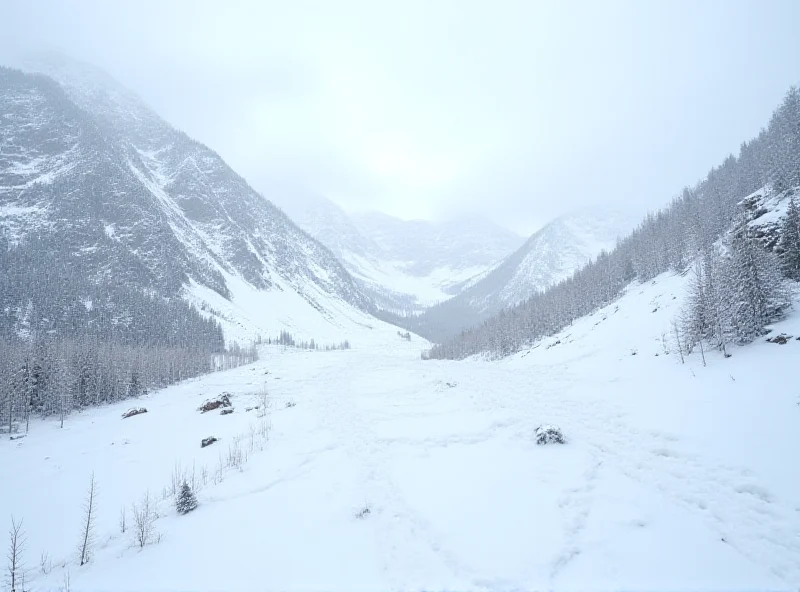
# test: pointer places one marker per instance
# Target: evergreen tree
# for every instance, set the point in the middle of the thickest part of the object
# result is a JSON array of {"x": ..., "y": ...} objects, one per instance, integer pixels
[
  {"x": 790, "y": 241},
  {"x": 186, "y": 501},
  {"x": 755, "y": 291},
  {"x": 135, "y": 386}
]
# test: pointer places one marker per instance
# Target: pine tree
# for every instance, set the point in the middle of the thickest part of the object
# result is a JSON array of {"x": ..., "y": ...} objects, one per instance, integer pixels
[
  {"x": 790, "y": 241},
  {"x": 755, "y": 291},
  {"x": 186, "y": 501},
  {"x": 135, "y": 386}
]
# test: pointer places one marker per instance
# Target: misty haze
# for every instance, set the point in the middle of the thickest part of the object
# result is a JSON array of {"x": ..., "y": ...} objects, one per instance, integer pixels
[{"x": 399, "y": 296}]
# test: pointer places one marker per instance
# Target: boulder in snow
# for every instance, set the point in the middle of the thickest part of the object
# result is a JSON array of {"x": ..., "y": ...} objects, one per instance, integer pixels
[
  {"x": 207, "y": 441},
  {"x": 224, "y": 400},
  {"x": 226, "y": 411},
  {"x": 549, "y": 434},
  {"x": 133, "y": 411}
]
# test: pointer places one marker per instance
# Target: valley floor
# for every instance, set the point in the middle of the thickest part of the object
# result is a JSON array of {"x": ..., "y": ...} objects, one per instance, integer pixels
[{"x": 390, "y": 473}]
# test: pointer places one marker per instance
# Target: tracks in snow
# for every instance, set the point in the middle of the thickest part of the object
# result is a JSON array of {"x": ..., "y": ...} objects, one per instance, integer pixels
[{"x": 726, "y": 499}]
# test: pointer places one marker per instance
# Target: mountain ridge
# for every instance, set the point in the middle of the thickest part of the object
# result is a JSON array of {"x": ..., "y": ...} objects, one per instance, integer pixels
[{"x": 88, "y": 166}]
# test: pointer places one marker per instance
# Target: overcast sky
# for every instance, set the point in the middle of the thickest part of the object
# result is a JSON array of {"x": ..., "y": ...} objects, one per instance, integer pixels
[{"x": 518, "y": 111}]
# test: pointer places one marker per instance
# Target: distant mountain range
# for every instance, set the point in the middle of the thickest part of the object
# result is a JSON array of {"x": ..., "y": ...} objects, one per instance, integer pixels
[
  {"x": 550, "y": 255},
  {"x": 403, "y": 265}
]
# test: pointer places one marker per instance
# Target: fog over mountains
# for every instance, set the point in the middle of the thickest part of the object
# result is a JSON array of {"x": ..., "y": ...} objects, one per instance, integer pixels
[{"x": 367, "y": 382}]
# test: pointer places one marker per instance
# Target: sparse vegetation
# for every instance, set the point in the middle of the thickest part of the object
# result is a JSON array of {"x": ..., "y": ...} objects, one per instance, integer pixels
[
  {"x": 286, "y": 339},
  {"x": 144, "y": 518}
]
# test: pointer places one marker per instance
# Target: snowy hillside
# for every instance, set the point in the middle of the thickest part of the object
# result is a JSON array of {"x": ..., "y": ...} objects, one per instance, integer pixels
[
  {"x": 425, "y": 475},
  {"x": 550, "y": 255},
  {"x": 87, "y": 166},
  {"x": 402, "y": 265}
]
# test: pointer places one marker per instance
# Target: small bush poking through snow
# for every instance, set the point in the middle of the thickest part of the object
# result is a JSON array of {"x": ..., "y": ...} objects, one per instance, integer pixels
[
  {"x": 549, "y": 434},
  {"x": 363, "y": 513},
  {"x": 186, "y": 501},
  {"x": 290, "y": 404}
]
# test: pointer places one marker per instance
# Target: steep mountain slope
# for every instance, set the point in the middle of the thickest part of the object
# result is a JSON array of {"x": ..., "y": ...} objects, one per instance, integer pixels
[
  {"x": 87, "y": 169},
  {"x": 403, "y": 266},
  {"x": 710, "y": 226},
  {"x": 547, "y": 257},
  {"x": 326, "y": 222}
]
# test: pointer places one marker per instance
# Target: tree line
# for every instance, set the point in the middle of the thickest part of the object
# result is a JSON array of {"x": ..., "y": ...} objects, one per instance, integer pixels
[
  {"x": 69, "y": 342},
  {"x": 54, "y": 375},
  {"x": 287, "y": 339},
  {"x": 671, "y": 239}
]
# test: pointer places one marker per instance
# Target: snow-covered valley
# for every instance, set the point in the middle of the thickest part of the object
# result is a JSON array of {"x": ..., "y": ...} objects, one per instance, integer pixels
[{"x": 385, "y": 472}]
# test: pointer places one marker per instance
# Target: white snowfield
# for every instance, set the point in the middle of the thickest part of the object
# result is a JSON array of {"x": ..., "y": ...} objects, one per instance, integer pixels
[{"x": 391, "y": 473}]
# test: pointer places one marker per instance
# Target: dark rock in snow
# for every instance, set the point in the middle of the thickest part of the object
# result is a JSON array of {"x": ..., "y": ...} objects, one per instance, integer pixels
[
  {"x": 549, "y": 434},
  {"x": 133, "y": 411},
  {"x": 226, "y": 412},
  {"x": 223, "y": 400},
  {"x": 207, "y": 441}
]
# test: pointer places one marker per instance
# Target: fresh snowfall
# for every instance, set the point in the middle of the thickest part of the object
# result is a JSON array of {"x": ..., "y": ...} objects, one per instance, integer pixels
[
  {"x": 370, "y": 469},
  {"x": 198, "y": 392}
]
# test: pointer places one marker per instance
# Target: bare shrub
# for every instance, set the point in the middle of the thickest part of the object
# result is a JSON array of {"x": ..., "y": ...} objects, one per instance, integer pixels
[
  {"x": 87, "y": 528},
  {"x": 15, "y": 571},
  {"x": 144, "y": 517}
]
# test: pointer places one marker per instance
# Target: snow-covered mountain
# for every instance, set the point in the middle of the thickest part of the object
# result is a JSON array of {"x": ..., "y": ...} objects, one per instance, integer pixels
[
  {"x": 402, "y": 265},
  {"x": 550, "y": 255},
  {"x": 87, "y": 169}
]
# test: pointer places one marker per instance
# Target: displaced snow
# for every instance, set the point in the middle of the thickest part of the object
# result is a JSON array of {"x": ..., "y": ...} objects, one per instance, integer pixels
[{"x": 390, "y": 473}]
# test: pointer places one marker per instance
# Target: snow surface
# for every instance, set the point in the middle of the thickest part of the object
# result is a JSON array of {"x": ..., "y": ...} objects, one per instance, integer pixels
[
  {"x": 427, "y": 290},
  {"x": 674, "y": 477},
  {"x": 251, "y": 313}
]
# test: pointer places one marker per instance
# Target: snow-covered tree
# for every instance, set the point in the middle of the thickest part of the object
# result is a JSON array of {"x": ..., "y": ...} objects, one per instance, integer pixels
[
  {"x": 790, "y": 241},
  {"x": 186, "y": 501},
  {"x": 754, "y": 288}
]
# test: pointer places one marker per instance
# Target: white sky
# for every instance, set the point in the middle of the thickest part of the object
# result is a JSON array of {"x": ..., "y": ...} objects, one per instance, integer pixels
[{"x": 517, "y": 111}]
